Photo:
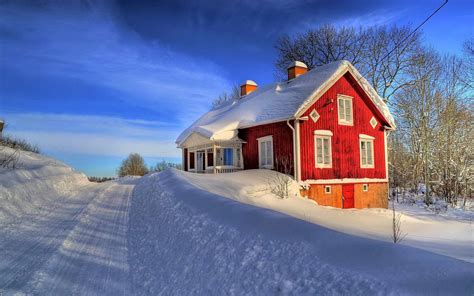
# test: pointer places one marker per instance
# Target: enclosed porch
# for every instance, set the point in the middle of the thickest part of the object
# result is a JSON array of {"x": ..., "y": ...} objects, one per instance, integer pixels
[{"x": 200, "y": 155}]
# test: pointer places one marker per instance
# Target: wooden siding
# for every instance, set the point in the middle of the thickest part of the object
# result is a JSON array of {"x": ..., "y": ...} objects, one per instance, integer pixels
[
  {"x": 375, "y": 197},
  {"x": 282, "y": 144},
  {"x": 345, "y": 140}
]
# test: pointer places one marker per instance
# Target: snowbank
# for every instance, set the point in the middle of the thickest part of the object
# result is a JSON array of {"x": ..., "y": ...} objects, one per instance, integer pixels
[
  {"x": 445, "y": 235},
  {"x": 34, "y": 185},
  {"x": 184, "y": 240}
]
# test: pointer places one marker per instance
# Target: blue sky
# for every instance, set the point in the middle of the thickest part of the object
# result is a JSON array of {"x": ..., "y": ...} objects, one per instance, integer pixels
[{"x": 90, "y": 82}]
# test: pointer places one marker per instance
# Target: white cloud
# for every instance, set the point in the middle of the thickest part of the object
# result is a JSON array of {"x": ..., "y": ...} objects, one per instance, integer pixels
[{"x": 94, "y": 135}]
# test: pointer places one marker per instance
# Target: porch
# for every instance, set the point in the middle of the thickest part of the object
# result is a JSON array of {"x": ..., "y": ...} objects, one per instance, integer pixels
[{"x": 214, "y": 157}]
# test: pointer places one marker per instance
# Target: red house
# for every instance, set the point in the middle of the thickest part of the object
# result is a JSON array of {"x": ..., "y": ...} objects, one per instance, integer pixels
[{"x": 327, "y": 127}]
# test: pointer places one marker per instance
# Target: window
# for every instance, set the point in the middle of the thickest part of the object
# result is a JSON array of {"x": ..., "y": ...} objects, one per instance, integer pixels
[
  {"x": 265, "y": 152},
  {"x": 327, "y": 189},
  {"x": 344, "y": 106},
  {"x": 366, "y": 151},
  {"x": 237, "y": 154},
  {"x": 365, "y": 187},
  {"x": 191, "y": 160},
  {"x": 322, "y": 149}
]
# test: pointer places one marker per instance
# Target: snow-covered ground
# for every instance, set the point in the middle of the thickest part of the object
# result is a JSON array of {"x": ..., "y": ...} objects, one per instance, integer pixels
[
  {"x": 175, "y": 233},
  {"x": 202, "y": 243},
  {"x": 450, "y": 234}
]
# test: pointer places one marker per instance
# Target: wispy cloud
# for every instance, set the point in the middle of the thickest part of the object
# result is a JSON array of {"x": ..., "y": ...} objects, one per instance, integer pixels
[
  {"x": 88, "y": 43},
  {"x": 94, "y": 135}
]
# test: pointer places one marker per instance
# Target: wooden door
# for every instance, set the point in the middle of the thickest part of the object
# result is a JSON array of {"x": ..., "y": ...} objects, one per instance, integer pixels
[{"x": 348, "y": 196}]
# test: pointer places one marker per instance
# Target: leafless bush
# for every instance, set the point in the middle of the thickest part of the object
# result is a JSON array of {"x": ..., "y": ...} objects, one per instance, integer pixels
[
  {"x": 9, "y": 160},
  {"x": 397, "y": 233},
  {"x": 280, "y": 185},
  {"x": 19, "y": 144}
]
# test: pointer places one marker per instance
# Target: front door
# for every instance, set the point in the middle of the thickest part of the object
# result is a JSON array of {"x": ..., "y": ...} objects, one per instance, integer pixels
[
  {"x": 200, "y": 161},
  {"x": 347, "y": 196}
]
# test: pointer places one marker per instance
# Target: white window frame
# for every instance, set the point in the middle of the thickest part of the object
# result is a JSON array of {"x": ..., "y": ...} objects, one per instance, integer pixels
[
  {"x": 366, "y": 139},
  {"x": 326, "y": 191},
  {"x": 267, "y": 139},
  {"x": 365, "y": 187},
  {"x": 346, "y": 100},
  {"x": 322, "y": 134}
]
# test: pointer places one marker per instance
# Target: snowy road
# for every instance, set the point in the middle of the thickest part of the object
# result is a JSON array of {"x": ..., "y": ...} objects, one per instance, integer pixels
[{"x": 79, "y": 246}]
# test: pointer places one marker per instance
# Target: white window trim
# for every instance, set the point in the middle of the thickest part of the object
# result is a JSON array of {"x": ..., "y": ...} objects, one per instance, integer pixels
[
  {"x": 265, "y": 139},
  {"x": 322, "y": 134},
  {"x": 366, "y": 137},
  {"x": 343, "y": 121},
  {"x": 371, "y": 140},
  {"x": 326, "y": 187},
  {"x": 365, "y": 187}
]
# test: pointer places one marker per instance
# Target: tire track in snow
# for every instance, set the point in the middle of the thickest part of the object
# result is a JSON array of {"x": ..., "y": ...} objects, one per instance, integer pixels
[
  {"x": 87, "y": 231},
  {"x": 93, "y": 258},
  {"x": 32, "y": 245}
]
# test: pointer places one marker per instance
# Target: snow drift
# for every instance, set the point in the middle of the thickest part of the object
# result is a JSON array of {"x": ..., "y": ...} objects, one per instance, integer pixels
[
  {"x": 34, "y": 184},
  {"x": 186, "y": 240}
]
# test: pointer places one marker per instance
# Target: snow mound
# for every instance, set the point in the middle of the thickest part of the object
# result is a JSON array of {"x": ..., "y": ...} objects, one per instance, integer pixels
[
  {"x": 185, "y": 240},
  {"x": 33, "y": 186}
]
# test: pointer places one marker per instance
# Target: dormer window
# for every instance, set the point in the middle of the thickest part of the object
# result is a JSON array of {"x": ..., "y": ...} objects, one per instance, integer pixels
[{"x": 344, "y": 106}]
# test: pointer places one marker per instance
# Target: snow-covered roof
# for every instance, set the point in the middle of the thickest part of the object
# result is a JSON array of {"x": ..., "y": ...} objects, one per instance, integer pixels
[{"x": 277, "y": 102}]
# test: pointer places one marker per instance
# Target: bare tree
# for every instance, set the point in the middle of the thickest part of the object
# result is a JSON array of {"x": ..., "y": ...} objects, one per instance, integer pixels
[
  {"x": 226, "y": 97},
  {"x": 366, "y": 48},
  {"x": 133, "y": 165}
]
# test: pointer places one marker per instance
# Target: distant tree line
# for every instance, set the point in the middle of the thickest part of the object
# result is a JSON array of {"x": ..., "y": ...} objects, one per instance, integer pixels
[
  {"x": 100, "y": 179},
  {"x": 134, "y": 165},
  {"x": 430, "y": 95}
]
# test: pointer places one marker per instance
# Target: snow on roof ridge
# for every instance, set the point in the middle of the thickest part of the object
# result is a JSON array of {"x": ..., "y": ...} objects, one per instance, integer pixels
[{"x": 279, "y": 101}]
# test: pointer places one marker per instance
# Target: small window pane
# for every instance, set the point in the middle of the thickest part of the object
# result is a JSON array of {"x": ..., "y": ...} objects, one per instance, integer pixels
[
  {"x": 326, "y": 151},
  {"x": 262, "y": 153},
  {"x": 348, "y": 110},
  {"x": 369, "y": 153},
  {"x": 269, "y": 153},
  {"x": 363, "y": 153},
  {"x": 319, "y": 148},
  {"x": 341, "y": 108}
]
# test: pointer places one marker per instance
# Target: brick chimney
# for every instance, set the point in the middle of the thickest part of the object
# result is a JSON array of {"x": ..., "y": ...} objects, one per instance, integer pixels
[
  {"x": 296, "y": 68},
  {"x": 247, "y": 87}
]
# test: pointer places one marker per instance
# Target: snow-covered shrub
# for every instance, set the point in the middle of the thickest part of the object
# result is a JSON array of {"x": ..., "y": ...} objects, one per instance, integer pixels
[{"x": 438, "y": 206}]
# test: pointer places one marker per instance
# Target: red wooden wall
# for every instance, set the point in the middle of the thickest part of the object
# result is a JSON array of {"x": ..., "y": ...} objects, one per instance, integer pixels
[
  {"x": 345, "y": 140},
  {"x": 282, "y": 143}
]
